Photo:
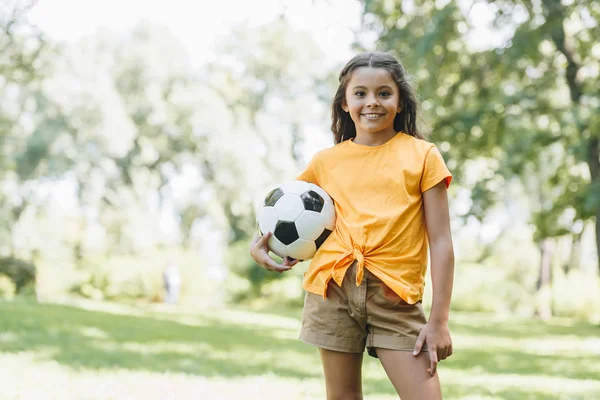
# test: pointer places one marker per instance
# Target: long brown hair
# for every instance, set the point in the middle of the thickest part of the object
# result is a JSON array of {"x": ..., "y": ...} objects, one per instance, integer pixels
[{"x": 342, "y": 125}]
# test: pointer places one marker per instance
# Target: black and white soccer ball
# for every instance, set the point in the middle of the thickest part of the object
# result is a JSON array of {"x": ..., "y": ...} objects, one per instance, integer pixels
[{"x": 300, "y": 215}]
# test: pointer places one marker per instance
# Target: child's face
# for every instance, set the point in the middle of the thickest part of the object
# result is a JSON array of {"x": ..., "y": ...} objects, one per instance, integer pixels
[{"x": 372, "y": 99}]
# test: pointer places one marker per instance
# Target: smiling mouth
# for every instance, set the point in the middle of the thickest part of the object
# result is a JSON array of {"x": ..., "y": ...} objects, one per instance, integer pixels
[{"x": 372, "y": 115}]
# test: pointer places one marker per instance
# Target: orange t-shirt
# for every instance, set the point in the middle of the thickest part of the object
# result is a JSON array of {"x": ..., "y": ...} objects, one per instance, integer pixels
[{"x": 378, "y": 196}]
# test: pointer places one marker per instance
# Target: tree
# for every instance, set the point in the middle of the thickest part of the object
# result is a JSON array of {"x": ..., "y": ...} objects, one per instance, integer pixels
[
  {"x": 566, "y": 92},
  {"x": 29, "y": 120},
  {"x": 513, "y": 102},
  {"x": 266, "y": 77}
]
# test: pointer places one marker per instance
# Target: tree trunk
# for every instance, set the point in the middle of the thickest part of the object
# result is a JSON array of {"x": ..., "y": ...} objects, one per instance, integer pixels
[
  {"x": 544, "y": 283},
  {"x": 574, "y": 261}
]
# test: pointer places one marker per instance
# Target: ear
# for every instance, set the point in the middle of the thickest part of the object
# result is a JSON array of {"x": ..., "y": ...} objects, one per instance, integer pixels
[
  {"x": 344, "y": 105},
  {"x": 400, "y": 108}
]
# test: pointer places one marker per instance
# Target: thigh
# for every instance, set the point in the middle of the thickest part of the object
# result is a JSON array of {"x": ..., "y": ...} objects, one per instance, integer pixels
[
  {"x": 409, "y": 374},
  {"x": 343, "y": 374}
]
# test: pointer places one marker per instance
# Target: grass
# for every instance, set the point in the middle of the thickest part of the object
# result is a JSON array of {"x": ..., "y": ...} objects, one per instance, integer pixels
[{"x": 108, "y": 351}]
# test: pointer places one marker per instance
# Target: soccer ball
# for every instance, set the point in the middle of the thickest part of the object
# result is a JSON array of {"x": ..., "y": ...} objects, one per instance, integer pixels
[{"x": 300, "y": 215}]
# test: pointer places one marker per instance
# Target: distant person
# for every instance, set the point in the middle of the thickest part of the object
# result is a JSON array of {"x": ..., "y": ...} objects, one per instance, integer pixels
[
  {"x": 365, "y": 283},
  {"x": 172, "y": 283}
]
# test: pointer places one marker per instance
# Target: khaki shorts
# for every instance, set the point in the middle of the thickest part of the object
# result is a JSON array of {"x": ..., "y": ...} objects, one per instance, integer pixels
[{"x": 354, "y": 317}]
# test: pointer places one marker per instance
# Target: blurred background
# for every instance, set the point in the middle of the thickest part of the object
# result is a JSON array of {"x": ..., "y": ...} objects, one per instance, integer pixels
[{"x": 138, "y": 137}]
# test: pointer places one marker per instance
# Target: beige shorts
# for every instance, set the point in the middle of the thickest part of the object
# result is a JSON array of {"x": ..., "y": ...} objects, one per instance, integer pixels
[{"x": 354, "y": 317}]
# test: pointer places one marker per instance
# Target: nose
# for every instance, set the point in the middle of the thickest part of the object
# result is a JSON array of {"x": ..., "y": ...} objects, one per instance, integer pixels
[{"x": 372, "y": 101}]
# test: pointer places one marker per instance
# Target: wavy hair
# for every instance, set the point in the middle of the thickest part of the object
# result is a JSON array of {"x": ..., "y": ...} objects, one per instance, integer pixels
[{"x": 343, "y": 127}]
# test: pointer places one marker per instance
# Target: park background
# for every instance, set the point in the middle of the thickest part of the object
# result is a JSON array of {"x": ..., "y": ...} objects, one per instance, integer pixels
[{"x": 134, "y": 135}]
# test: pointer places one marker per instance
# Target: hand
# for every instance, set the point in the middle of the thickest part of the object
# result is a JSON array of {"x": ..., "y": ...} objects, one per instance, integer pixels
[
  {"x": 439, "y": 343},
  {"x": 259, "y": 250}
]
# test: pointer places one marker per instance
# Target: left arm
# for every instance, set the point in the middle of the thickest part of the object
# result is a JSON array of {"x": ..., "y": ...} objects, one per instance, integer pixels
[{"x": 437, "y": 221}]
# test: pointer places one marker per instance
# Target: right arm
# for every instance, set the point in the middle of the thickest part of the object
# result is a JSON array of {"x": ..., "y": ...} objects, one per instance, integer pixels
[{"x": 259, "y": 250}]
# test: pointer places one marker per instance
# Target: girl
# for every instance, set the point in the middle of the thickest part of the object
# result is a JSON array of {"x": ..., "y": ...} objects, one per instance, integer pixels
[{"x": 365, "y": 283}]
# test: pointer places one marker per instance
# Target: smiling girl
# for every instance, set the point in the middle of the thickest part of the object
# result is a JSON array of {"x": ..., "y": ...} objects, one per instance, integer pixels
[{"x": 365, "y": 284}]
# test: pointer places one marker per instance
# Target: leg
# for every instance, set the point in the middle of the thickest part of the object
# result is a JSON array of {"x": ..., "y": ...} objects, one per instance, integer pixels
[
  {"x": 409, "y": 374},
  {"x": 343, "y": 378}
]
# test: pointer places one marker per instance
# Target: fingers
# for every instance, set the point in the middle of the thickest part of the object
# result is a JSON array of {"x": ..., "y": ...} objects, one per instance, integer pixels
[
  {"x": 419, "y": 344},
  {"x": 259, "y": 242},
  {"x": 433, "y": 361},
  {"x": 273, "y": 266},
  {"x": 444, "y": 352},
  {"x": 289, "y": 262},
  {"x": 260, "y": 253},
  {"x": 269, "y": 264},
  {"x": 442, "y": 355},
  {"x": 262, "y": 241},
  {"x": 285, "y": 266}
]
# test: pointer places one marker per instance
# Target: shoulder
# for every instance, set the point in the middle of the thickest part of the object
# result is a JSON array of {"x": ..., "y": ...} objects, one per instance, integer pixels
[
  {"x": 328, "y": 152},
  {"x": 413, "y": 143},
  {"x": 414, "y": 148}
]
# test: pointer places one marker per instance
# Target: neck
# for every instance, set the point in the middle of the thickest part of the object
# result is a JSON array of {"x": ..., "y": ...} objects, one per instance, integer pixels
[{"x": 373, "y": 138}]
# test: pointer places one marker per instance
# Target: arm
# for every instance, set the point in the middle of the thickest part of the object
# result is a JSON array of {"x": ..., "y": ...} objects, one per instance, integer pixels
[{"x": 437, "y": 221}]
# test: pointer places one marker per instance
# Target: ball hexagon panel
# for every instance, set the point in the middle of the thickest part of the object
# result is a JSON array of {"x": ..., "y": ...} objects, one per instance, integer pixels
[
  {"x": 309, "y": 225},
  {"x": 266, "y": 220},
  {"x": 286, "y": 232},
  {"x": 321, "y": 192},
  {"x": 312, "y": 201},
  {"x": 301, "y": 249},
  {"x": 322, "y": 238},
  {"x": 289, "y": 207},
  {"x": 273, "y": 196}
]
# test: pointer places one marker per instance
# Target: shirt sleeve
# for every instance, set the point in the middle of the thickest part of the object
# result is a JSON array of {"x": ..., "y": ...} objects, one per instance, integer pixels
[
  {"x": 434, "y": 170},
  {"x": 310, "y": 172}
]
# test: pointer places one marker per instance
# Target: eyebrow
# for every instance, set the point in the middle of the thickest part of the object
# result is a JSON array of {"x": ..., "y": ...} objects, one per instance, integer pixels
[{"x": 380, "y": 87}]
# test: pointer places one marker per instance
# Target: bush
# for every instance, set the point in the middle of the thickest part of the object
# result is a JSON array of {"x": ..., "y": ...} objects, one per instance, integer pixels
[
  {"x": 240, "y": 264},
  {"x": 101, "y": 285},
  {"x": 21, "y": 273},
  {"x": 487, "y": 289},
  {"x": 286, "y": 291},
  {"x": 577, "y": 295}
]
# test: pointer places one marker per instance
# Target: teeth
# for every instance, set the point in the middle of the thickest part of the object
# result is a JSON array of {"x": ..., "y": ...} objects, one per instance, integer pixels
[{"x": 372, "y": 116}]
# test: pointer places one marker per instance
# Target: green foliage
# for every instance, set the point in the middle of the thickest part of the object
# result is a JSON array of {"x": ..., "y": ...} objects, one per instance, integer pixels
[
  {"x": 139, "y": 278},
  {"x": 517, "y": 102},
  {"x": 103, "y": 144},
  {"x": 250, "y": 283},
  {"x": 22, "y": 273},
  {"x": 102, "y": 285},
  {"x": 576, "y": 295},
  {"x": 81, "y": 191},
  {"x": 286, "y": 291},
  {"x": 241, "y": 265},
  {"x": 486, "y": 288}
]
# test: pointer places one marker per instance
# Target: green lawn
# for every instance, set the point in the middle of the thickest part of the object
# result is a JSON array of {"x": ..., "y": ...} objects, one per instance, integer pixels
[{"x": 107, "y": 351}]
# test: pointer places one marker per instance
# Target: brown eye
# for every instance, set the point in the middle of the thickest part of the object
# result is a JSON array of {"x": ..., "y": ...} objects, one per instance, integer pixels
[
  {"x": 359, "y": 93},
  {"x": 385, "y": 94}
]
